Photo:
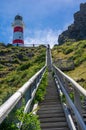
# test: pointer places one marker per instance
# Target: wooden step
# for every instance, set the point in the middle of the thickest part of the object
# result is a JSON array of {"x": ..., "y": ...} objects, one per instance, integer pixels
[
  {"x": 49, "y": 103},
  {"x": 52, "y": 119},
  {"x": 64, "y": 128},
  {"x": 50, "y": 111},
  {"x": 53, "y": 125},
  {"x": 50, "y": 115},
  {"x": 51, "y": 108}
]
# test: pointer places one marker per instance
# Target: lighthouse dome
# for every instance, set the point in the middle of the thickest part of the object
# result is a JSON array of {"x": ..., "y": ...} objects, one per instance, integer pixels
[{"x": 18, "y": 17}]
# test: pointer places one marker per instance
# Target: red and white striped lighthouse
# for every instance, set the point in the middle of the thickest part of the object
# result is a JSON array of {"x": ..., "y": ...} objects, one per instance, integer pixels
[{"x": 18, "y": 27}]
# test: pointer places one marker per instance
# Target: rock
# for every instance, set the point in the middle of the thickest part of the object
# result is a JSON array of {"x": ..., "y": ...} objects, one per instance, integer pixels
[{"x": 77, "y": 30}]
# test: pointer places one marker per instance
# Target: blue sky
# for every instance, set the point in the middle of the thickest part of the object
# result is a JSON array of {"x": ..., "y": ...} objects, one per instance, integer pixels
[{"x": 44, "y": 19}]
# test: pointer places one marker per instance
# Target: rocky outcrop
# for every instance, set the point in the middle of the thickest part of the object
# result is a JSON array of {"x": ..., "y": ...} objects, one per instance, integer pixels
[{"x": 77, "y": 30}]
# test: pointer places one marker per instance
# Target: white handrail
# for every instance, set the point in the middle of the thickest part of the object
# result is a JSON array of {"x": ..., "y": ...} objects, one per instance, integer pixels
[
  {"x": 75, "y": 84},
  {"x": 7, "y": 107},
  {"x": 69, "y": 101}
]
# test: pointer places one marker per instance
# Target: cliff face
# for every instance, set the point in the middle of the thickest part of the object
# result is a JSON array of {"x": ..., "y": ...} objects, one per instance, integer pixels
[{"x": 77, "y": 30}]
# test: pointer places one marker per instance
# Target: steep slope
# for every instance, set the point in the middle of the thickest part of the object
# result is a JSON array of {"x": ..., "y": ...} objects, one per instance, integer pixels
[
  {"x": 75, "y": 51},
  {"x": 17, "y": 65}
]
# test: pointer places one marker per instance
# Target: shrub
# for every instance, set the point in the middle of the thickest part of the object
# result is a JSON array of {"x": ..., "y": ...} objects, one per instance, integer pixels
[
  {"x": 40, "y": 58},
  {"x": 29, "y": 121},
  {"x": 67, "y": 50},
  {"x": 7, "y": 125},
  {"x": 16, "y": 61},
  {"x": 78, "y": 61},
  {"x": 1, "y": 66},
  {"x": 82, "y": 44},
  {"x": 24, "y": 66}
]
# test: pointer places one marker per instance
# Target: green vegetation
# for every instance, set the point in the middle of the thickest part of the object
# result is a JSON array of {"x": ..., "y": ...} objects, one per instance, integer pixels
[
  {"x": 29, "y": 122},
  {"x": 70, "y": 50},
  {"x": 75, "y": 51},
  {"x": 42, "y": 88},
  {"x": 17, "y": 65},
  {"x": 15, "y": 78}
]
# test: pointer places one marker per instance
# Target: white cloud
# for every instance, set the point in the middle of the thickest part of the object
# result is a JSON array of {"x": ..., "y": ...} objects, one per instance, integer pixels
[
  {"x": 36, "y": 12},
  {"x": 47, "y": 36}
]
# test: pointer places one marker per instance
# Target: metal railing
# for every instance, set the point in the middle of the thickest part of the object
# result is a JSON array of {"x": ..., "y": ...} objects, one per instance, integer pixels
[
  {"x": 27, "y": 91},
  {"x": 49, "y": 58},
  {"x": 68, "y": 85}
]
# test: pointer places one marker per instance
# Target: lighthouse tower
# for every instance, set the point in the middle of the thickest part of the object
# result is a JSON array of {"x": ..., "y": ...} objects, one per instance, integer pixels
[{"x": 18, "y": 27}]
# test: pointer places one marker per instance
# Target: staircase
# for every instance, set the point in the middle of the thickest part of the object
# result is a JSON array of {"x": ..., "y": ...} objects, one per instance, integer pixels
[{"x": 51, "y": 113}]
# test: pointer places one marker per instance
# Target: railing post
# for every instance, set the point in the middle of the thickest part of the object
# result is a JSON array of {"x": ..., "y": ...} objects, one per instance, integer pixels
[
  {"x": 27, "y": 95},
  {"x": 20, "y": 103},
  {"x": 77, "y": 101},
  {"x": 65, "y": 83}
]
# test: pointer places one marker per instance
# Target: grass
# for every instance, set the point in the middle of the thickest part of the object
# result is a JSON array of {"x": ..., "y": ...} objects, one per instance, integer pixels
[
  {"x": 19, "y": 71},
  {"x": 42, "y": 88},
  {"x": 17, "y": 65},
  {"x": 79, "y": 74},
  {"x": 75, "y": 51}
]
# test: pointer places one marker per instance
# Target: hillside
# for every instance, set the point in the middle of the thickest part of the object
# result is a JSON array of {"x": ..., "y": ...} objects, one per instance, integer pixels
[
  {"x": 75, "y": 51},
  {"x": 17, "y": 65}
]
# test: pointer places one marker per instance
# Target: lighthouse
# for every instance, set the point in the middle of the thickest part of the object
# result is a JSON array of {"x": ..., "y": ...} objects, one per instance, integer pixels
[{"x": 18, "y": 27}]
